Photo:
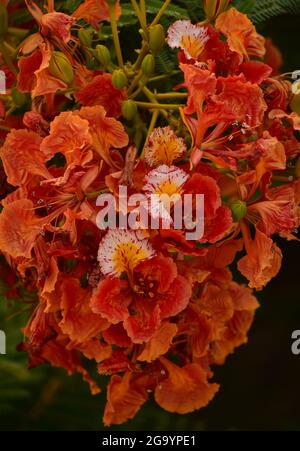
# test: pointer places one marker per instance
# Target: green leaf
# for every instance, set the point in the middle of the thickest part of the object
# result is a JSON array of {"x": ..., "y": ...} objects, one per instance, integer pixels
[
  {"x": 127, "y": 16},
  {"x": 244, "y": 6},
  {"x": 267, "y": 9},
  {"x": 176, "y": 12},
  {"x": 165, "y": 61}
]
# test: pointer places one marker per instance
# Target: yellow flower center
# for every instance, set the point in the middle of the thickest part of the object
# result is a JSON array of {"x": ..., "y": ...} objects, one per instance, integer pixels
[
  {"x": 194, "y": 46},
  {"x": 127, "y": 256},
  {"x": 168, "y": 187}
]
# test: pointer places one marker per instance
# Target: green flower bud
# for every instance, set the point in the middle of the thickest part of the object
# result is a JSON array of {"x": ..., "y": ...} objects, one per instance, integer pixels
[
  {"x": 297, "y": 168},
  {"x": 103, "y": 55},
  {"x": 238, "y": 209},
  {"x": 3, "y": 20},
  {"x": 129, "y": 109},
  {"x": 119, "y": 79},
  {"x": 213, "y": 8},
  {"x": 18, "y": 97},
  {"x": 148, "y": 65},
  {"x": 156, "y": 38},
  {"x": 60, "y": 67},
  {"x": 85, "y": 37}
]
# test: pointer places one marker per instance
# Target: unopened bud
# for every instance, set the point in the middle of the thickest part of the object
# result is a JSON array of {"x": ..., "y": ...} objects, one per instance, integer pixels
[
  {"x": 156, "y": 38},
  {"x": 238, "y": 209},
  {"x": 85, "y": 37},
  {"x": 213, "y": 8},
  {"x": 119, "y": 79},
  {"x": 148, "y": 65},
  {"x": 129, "y": 109},
  {"x": 103, "y": 55},
  {"x": 3, "y": 20},
  {"x": 18, "y": 97},
  {"x": 60, "y": 67}
]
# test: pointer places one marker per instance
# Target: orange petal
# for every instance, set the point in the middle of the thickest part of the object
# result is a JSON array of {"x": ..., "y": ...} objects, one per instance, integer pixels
[
  {"x": 185, "y": 389},
  {"x": 262, "y": 262},
  {"x": 69, "y": 134},
  {"x": 22, "y": 158},
  {"x": 241, "y": 34},
  {"x": 160, "y": 343},
  {"x": 55, "y": 352},
  {"x": 95, "y": 11},
  {"x": 19, "y": 227},
  {"x": 78, "y": 322},
  {"x": 95, "y": 350},
  {"x": 123, "y": 400}
]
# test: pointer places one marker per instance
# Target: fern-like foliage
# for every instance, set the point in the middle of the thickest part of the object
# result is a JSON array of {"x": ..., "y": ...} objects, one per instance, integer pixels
[{"x": 265, "y": 10}]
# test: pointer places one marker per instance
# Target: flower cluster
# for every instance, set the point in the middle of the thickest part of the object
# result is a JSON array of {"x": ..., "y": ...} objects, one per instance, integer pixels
[{"x": 152, "y": 309}]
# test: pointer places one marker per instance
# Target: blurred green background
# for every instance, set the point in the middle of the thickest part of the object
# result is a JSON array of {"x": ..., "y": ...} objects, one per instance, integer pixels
[{"x": 260, "y": 382}]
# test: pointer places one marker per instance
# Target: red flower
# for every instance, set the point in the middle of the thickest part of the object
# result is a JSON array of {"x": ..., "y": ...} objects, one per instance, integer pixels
[
  {"x": 100, "y": 91},
  {"x": 111, "y": 300}
]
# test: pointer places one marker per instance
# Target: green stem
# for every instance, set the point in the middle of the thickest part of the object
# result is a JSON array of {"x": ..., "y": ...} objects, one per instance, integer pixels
[
  {"x": 135, "y": 81},
  {"x": 114, "y": 28},
  {"x": 164, "y": 106},
  {"x": 141, "y": 56},
  {"x": 136, "y": 92},
  {"x": 17, "y": 32},
  {"x": 139, "y": 14},
  {"x": 160, "y": 13},
  {"x": 7, "y": 57},
  {"x": 152, "y": 99},
  {"x": 143, "y": 10},
  {"x": 171, "y": 95},
  {"x": 164, "y": 76}
]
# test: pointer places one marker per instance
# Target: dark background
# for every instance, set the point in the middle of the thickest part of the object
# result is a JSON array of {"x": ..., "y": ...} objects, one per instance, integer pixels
[{"x": 260, "y": 382}]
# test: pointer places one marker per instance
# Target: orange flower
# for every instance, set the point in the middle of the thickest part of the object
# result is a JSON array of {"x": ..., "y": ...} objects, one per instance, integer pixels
[
  {"x": 94, "y": 349},
  {"x": 106, "y": 131},
  {"x": 69, "y": 134},
  {"x": 124, "y": 399},
  {"x": 78, "y": 321},
  {"x": 160, "y": 343},
  {"x": 117, "y": 362},
  {"x": 263, "y": 259},
  {"x": 34, "y": 75},
  {"x": 241, "y": 34},
  {"x": 19, "y": 228},
  {"x": 185, "y": 389},
  {"x": 55, "y": 352},
  {"x": 22, "y": 158},
  {"x": 53, "y": 25},
  {"x": 144, "y": 321},
  {"x": 235, "y": 335},
  {"x": 57, "y": 26},
  {"x": 95, "y": 11},
  {"x": 201, "y": 83}
]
